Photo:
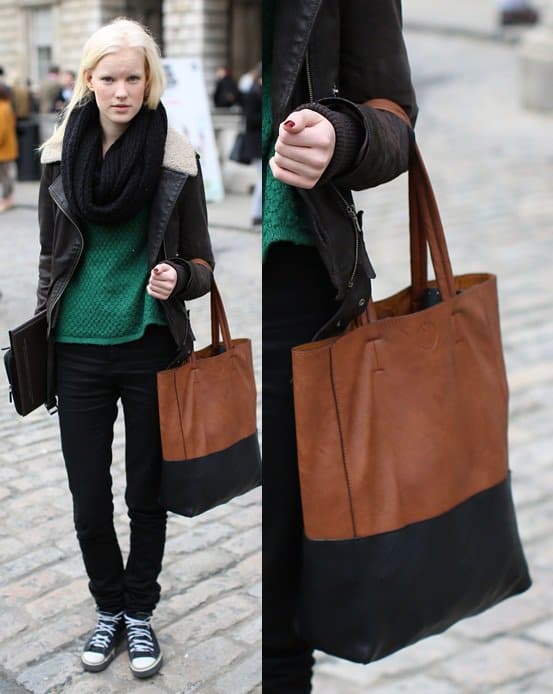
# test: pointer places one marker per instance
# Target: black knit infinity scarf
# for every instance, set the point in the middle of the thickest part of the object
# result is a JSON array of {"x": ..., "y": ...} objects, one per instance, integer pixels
[{"x": 113, "y": 189}]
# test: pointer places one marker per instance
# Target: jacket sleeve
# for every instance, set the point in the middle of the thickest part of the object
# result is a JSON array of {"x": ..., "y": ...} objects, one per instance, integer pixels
[
  {"x": 193, "y": 280},
  {"x": 46, "y": 229},
  {"x": 374, "y": 64}
]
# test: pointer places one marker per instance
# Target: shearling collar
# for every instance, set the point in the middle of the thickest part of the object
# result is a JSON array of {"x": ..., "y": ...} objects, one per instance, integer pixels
[{"x": 179, "y": 154}]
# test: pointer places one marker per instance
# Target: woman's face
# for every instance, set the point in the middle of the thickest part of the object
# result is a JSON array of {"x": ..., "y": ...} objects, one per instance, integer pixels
[{"x": 118, "y": 82}]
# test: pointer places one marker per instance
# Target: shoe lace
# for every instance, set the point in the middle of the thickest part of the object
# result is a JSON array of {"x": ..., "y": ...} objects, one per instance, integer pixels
[
  {"x": 139, "y": 634},
  {"x": 105, "y": 629}
]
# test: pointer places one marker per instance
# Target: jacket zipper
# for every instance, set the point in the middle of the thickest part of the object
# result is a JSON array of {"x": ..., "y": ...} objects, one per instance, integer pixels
[
  {"x": 309, "y": 76},
  {"x": 350, "y": 208},
  {"x": 352, "y": 214},
  {"x": 60, "y": 293},
  {"x": 310, "y": 91}
]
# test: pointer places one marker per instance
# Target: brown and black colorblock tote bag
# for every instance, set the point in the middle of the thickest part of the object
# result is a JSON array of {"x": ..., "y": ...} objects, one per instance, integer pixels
[
  {"x": 401, "y": 425},
  {"x": 207, "y": 411}
]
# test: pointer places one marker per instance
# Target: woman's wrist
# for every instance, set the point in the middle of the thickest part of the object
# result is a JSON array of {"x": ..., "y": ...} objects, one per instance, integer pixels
[{"x": 350, "y": 135}]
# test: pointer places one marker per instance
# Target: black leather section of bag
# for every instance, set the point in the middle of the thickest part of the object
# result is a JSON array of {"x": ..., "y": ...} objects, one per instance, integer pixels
[
  {"x": 193, "y": 486},
  {"x": 365, "y": 598},
  {"x": 10, "y": 372},
  {"x": 26, "y": 364}
]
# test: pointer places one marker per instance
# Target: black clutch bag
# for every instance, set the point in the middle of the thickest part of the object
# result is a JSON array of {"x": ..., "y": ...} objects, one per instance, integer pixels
[{"x": 26, "y": 364}]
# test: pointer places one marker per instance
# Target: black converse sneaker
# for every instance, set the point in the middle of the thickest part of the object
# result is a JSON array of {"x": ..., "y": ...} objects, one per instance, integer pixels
[
  {"x": 145, "y": 657},
  {"x": 99, "y": 650}
]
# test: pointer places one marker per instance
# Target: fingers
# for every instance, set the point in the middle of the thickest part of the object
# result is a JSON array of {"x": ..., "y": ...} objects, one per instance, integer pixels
[
  {"x": 163, "y": 279},
  {"x": 162, "y": 295},
  {"x": 309, "y": 157},
  {"x": 162, "y": 268},
  {"x": 292, "y": 178},
  {"x": 310, "y": 172},
  {"x": 306, "y": 128},
  {"x": 315, "y": 135},
  {"x": 304, "y": 148},
  {"x": 300, "y": 120},
  {"x": 159, "y": 293}
]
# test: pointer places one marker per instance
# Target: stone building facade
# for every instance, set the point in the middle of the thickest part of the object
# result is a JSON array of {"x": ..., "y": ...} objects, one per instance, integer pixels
[{"x": 37, "y": 33}]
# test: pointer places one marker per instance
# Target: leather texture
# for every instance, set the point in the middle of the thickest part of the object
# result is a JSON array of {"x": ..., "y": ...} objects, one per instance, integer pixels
[
  {"x": 403, "y": 418},
  {"x": 196, "y": 485},
  {"x": 420, "y": 423},
  {"x": 364, "y": 599},
  {"x": 352, "y": 51},
  {"x": 401, "y": 427},
  {"x": 26, "y": 364},
  {"x": 207, "y": 407}
]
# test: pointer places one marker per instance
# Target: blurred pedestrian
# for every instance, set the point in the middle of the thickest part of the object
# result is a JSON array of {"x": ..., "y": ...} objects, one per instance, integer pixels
[
  {"x": 226, "y": 90},
  {"x": 7, "y": 86},
  {"x": 23, "y": 99},
  {"x": 67, "y": 87},
  {"x": 252, "y": 105},
  {"x": 246, "y": 80},
  {"x": 122, "y": 218},
  {"x": 49, "y": 95},
  {"x": 512, "y": 12},
  {"x": 316, "y": 273},
  {"x": 3, "y": 80},
  {"x": 8, "y": 150}
]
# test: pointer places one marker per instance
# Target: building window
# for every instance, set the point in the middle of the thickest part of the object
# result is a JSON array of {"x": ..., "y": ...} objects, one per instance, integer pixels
[{"x": 41, "y": 41}]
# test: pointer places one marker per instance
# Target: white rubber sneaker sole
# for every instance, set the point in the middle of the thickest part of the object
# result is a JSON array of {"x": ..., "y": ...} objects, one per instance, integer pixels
[
  {"x": 148, "y": 671},
  {"x": 90, "y": 666}
]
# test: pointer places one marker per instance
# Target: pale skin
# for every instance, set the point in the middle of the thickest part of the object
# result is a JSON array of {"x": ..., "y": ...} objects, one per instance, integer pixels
[
  {"x": 304, "y": 148},
  {"x": 119, "y": 84}
]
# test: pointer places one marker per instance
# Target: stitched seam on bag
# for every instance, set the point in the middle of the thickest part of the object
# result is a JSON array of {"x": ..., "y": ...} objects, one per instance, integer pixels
[
  {"x": 373, "y": 342},
  {"x": 180, "y": 413},
  {"x": 342, "y": 448}
]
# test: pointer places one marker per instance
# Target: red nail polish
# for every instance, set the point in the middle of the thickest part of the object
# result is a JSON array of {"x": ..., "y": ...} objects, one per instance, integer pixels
[{"x": 289, "y": 124}]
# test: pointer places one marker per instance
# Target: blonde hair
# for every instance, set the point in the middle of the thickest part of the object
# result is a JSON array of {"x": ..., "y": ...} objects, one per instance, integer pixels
[{"x": 111, "y": 38}]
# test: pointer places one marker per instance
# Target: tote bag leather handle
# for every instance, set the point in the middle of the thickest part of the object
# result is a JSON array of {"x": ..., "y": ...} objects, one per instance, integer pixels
[
  {"x": 219, "y": 322},
  {"x": 425, "y": 224}
]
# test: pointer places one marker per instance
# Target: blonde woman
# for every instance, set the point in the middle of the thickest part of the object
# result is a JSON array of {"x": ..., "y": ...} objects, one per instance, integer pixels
[{"x": 122, "y": 217}]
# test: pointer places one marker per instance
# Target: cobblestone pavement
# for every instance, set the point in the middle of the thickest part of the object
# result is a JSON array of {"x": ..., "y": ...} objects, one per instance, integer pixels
[
  {"x": 491, "y": 164},
  {"x": 208, "y": 620}
]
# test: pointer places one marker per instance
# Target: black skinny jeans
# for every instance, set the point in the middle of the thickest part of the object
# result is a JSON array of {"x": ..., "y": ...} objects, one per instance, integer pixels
[
  {"x": 90, "y": 381},
  {"x": 297, "y": 299}
]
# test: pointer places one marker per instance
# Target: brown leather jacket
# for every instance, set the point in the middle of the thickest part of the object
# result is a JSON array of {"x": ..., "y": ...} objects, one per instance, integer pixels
[
  {"x": 177, "y": 233},
  {"x": 341, "y": 53}
]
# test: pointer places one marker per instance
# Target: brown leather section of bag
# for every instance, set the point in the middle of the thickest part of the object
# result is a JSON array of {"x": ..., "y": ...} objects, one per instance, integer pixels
[
  {"x": 209, "y": 403},
  {"x": 402, "y": 418}
]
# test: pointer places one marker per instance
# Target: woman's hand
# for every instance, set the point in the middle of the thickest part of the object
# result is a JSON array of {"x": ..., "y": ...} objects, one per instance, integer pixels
[
  {"x": 304, "y": 148},
  {"x": 163, "y": 279}
]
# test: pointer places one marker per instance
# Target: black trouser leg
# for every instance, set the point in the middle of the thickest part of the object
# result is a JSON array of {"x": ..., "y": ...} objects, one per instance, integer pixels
[
  {"x": 87, "y": 401},
  {"x": 297, "y": 300},
  {"x": 90, "y": 380},
  {"x": 136, "y": 375}
]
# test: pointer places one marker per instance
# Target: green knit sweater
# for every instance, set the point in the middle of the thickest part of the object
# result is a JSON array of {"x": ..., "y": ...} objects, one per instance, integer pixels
[
  {"x": 284, "y": 215},
  {"x": 106, "y": 302}
]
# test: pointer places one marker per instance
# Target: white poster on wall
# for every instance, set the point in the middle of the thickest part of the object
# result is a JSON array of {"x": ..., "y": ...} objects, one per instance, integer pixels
[{"x": 187, "y": 105}]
